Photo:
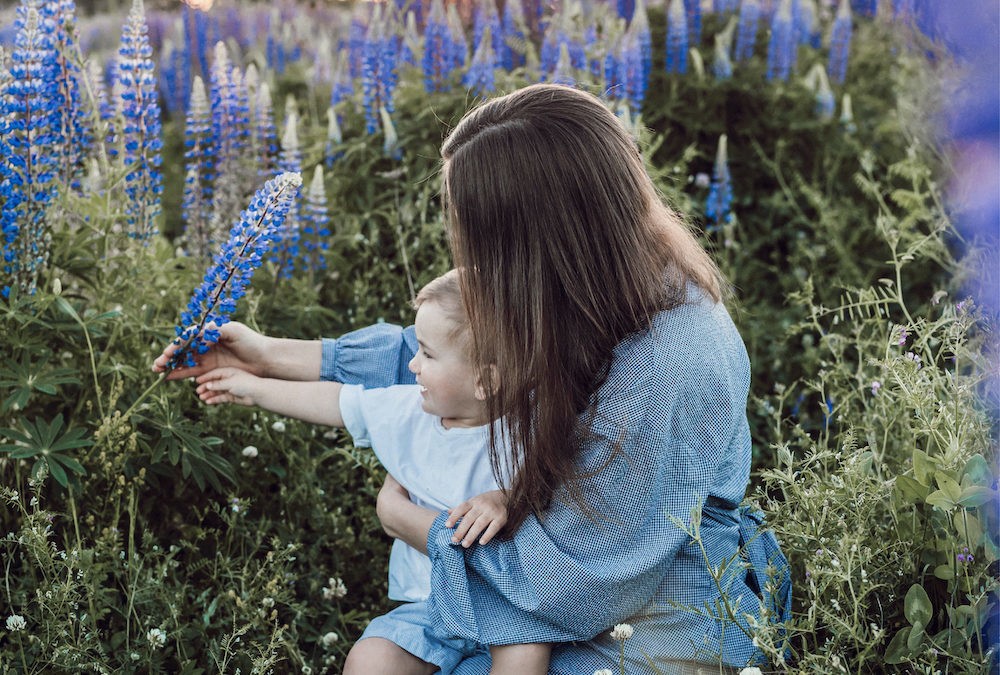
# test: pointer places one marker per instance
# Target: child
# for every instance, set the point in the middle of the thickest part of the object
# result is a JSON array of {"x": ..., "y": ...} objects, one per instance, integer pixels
[{"x": 432, "y": 437}]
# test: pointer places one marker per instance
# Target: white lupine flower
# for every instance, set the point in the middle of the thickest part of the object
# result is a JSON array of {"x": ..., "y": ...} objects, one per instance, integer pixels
[
  {"x": 622, "y": 631},
  {"x": 250, "y": 452},
  {"x": 156, "y": 638},
  {"x": 16, "y": 622}
]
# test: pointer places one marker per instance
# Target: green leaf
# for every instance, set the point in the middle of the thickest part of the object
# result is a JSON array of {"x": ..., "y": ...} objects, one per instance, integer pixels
[
  {"x": 975, "y": 496},
  {"x": 945, "y": 572},
  {"x": 977, "y": 471},
  {"x": 68, "y": 309},
  {"x": 916, "y": 637},
  {"x": 923, "y": 467},
  {"x": 898, "y": 651},
  {"x": 911, "y": 490},
  {"x": 941, "y": 500},
  {"x": 917, "y": 606},
  {"x": 57, "y": 471},
  {"x": 948, "y": 485}
]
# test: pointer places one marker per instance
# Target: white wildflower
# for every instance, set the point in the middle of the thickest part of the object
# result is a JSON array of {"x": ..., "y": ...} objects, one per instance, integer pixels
[
  {"x": 752, "y": 670},
  {"x": 622, "y": 631},
  {"x": 334, "y": 589},
  {"x": 329, "y": 639},
  {"x": 279, "y": 426},
  {"x": 16, "y": 622},
  {"x": 250, "y": 452},
  {"x": 156, "y": 638}
]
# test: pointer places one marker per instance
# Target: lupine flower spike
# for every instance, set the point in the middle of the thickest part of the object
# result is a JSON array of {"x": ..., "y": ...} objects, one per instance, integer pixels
[
  {"x": 480, "y": 78},
  {"x": 840, "y": 43},
  {"x": 227, "y": 280},
  {"x": 640, "y": 27},
  {"x": 390, "y": 146},
  {"x": 782, "y": 46},
  {"x": 722, "y": 65},
  {"x": 315, "y": 224},
  {"x": 746, "y": 34},
  {"x": 720, "y": 193},
  {"x": 677, "y": 37},
  {"x": 199, "y": 150},
  {"x": 286, "y": 243},
  {"x": 29, "y": 142},
  {"x": 825, "y": 102},
  {"x": 693, "y": 10},
  {"x": 141, "y": 130},
  {"x": 563, "y": 73},
  {"x": 847, "y": 115},
  {"x": 334, "y": 137}
]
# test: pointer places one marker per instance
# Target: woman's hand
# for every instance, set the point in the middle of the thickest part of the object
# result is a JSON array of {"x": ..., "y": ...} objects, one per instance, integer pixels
[
  {"x": 238, "y": 347},
  {"x": 484, "y": 514},
  {"x": 230, "y": 385},
  {"x": 400, "y": 517}
]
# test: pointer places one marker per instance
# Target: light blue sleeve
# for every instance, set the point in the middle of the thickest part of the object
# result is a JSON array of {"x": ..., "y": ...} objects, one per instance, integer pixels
[{"x": 375, "y": 356}]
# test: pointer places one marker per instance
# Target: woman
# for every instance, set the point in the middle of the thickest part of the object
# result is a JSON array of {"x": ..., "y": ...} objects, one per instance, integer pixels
[{"x": 617, "y": 377}]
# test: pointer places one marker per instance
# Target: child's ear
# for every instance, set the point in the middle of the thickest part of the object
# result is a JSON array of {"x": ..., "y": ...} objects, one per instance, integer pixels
[{"x": 481, "y": 392}]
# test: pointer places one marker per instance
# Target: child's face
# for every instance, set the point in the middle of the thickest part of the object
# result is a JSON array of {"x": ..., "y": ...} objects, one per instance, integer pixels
[{"x": 444, "y": 372}]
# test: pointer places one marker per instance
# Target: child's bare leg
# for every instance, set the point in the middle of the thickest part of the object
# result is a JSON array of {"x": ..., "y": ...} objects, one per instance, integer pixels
[
  {"x": 525, "y": 659},
  {"x": 375, "y": 656}
]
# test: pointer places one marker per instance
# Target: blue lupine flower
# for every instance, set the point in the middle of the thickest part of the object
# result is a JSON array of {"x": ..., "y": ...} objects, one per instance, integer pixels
[
  {"x": 436, "y": 61},
  {"x": 231, "y": 131},
  {"x": 563, "y": 73},
  {"x": 746, "y": 33},
  {"x": 274, "y": 49},
  {"x": 485, "y": 16},
  {"x": 315, "y": 225},
  {"x": 902, "y": 9},
  {"x": 693, "y": 10},
  {"x": 782, "y": 46},
  {"x": 825, "y": 102},
  {"x": 227, "y": 280},
  {"x": 806, "y": 23},
  {"x": 199, "y": 153},
  {"x": 722, "y": 65},
  {"x": 74, "y": 129},
  {"x": 199, "y": 33},
  {"x": 865, "y": 7},
  {"x": 481, "y": 77},
  {"x": 677, "y": 38},
  {"x": 285, "y": 250},
  {"x": 342, "y": 87},
  {"x": 356, "y": 36},
  {"x": 175, "y": 76},
  {"x": 458, "y": 47},
  {"x": 378, "y": 71},
  {"x": 265, "y": 136},
  {"x": 721, "y": 6},
  {"x": 514, "y": 30},
  {"x": 840, "y": 43},
  {"x": 29, "y": 140},
  {"x": 334, "y": 138},
  {"x": 614, "y": 85},
  {"x": 141, "y": 128},
  {"x": 626, "y": 9},
  {"x": 411, "y": 38},
  {"x": 644, "y": 40},
  {"x": 720, "y": 193},
  {"x": 631, "y": 74}
]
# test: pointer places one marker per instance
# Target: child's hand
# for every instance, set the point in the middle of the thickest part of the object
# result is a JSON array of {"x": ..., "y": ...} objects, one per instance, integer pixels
[
  {"x": 229, "y": 385},
  {"x": 485, "y": 515}
]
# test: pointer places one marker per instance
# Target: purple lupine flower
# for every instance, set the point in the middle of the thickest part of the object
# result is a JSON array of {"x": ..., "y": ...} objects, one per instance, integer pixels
[
  {"x": 378, "y": 72},
  {"x": 865, "y": 7},
  {"x": 746, "y": 33},
  {"x": 722, "y": 65},
  {"x": 514, "y": 30},
  {"x": 458, "y": 47},
  {"x": 549, "y": 54},
  {"x": 356, "y": 36},
  {"x": 677, "y": 38},
  {"x": 782, "y": 46},
  {"x": 840, "y": 43},
  {"x": 718, "y": 206},
  {"x": 485, "y": 16},
  {"x": 334, "y": 138},
  {"x": 411, "y": 38},
  {"x": 644, "y": 40},
  {"x": 722, "y": 6},
  {"x": 199, "y": 152},
  {"x": 231, "y": 130},
  {"x": 436, "y": 61},
  {"x": 807, "y": 23},
  {"x": 614, "y": 86},
  {"x": 197, "y": 37},
  {"x": 174, "y": 78},
  {"x": 227, "y": 280},
  {"x": 481, "y": 76},
  {"x": 903, "y": 9},
  {"x": 141, "y": 128},
  {"x": 315, "y": 225},
  {"x": 29, "y": 139},
  {"x": 626, "y": 8},
  {"x": 693, "y": 10}
]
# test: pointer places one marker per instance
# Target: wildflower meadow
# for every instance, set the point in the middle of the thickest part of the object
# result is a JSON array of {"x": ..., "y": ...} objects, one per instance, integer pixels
[{"x": 168, "y": 167}]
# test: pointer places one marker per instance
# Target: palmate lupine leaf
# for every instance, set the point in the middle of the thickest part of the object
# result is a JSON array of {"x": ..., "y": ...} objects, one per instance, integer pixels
[
  {"x": 44, "y": 441},
  {"x": 24, "y": 378}
]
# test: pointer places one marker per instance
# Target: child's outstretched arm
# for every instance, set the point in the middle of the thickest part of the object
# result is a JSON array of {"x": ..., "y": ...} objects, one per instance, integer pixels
[
  {"x": 484, "y": 514},
  {"x": 315, "y": 402}
]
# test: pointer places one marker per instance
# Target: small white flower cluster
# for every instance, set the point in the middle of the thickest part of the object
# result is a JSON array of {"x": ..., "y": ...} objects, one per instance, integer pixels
[
  {"x": 279, "y": 426},
  {"x": 329, "y": 639},
  {"x": 156, "y": 637},
  {"x": 16, "y": 622},
  {"x": 250, "y": 452},
  {"x": 334, "y": 589},
  {"x": 622, "y": 632}
]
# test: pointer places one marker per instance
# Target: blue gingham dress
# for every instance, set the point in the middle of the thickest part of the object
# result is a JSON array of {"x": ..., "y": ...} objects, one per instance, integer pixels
[{"x": 675, "y": 403}]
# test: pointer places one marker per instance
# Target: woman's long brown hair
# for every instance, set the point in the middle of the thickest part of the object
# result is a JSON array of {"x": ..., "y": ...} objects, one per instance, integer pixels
[{"x": 565, "y": 248}]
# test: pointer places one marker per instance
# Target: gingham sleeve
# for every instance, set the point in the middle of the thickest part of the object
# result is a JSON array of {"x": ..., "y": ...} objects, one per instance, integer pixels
[
  {"x": 374, "y": 356},
  {"x": 677, "y": 410}
]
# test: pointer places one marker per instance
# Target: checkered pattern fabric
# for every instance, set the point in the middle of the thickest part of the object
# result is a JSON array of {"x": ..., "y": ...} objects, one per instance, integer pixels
[{"x": 670, "y": 436}]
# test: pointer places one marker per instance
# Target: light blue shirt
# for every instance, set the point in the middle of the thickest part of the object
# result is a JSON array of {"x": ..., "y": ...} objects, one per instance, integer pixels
[{"x": 675, "y": 437}]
